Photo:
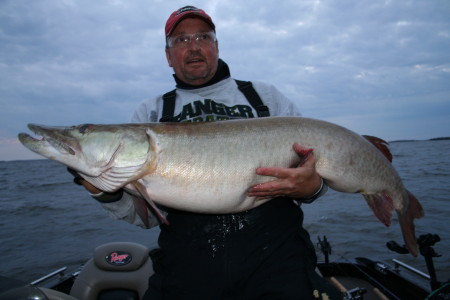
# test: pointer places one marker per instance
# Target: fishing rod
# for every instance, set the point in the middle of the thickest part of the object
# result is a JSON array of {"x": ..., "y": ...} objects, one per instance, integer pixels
[
  {"x": 426, "y": 243},
  {"x": 364, "y": 267},
  {"x": 356, "y": 293}
]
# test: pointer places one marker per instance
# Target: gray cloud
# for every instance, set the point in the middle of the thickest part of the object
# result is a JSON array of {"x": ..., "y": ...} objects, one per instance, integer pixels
[{"x": 377, "y": 67}]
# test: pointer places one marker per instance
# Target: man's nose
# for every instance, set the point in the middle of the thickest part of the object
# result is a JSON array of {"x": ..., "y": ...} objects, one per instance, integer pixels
[{"x": 194, "y": 44}]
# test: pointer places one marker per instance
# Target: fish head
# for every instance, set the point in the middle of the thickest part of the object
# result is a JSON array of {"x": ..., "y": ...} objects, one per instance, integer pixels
[{"x": 97, "y": 152}]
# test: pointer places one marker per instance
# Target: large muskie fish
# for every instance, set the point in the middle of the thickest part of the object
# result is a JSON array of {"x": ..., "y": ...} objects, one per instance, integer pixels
[{"x": 208, "y": 167}]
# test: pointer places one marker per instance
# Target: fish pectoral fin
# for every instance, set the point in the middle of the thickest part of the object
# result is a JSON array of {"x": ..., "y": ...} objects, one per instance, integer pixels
[
  {"x": 142, "y": 207},
  {"x": 382, "y": 206},
  {"x": 141, "y": 210}
]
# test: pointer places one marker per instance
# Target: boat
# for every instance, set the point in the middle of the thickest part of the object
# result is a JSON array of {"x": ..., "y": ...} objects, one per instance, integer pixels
[
  {"x": 365, "y": 278},
  {"x": 120, "y": 270}
]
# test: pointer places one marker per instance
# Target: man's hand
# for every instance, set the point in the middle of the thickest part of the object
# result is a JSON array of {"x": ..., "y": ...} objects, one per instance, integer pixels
[
  {"x": 99, "y": 195},
  {"x": 297, "y": 183},
  {"x": 80, "y": 181}
]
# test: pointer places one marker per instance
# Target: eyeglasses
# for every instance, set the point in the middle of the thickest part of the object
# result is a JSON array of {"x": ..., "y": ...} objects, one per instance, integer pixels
[{"x": 184, "y": 40}]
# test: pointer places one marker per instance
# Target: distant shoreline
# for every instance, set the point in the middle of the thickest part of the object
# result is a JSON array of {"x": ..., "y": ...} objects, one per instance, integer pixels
[{"x": 433, "y": 139}]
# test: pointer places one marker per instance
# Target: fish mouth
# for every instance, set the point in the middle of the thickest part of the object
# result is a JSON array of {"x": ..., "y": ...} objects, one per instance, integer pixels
[{"x": 49, "y": 137}]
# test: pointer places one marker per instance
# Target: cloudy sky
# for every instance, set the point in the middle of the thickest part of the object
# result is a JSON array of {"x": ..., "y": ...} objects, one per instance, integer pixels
[{"x": 377, "y": 67}]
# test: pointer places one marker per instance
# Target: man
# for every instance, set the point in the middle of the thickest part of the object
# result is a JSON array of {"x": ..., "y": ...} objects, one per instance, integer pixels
[{"x": 261, "y": 253}]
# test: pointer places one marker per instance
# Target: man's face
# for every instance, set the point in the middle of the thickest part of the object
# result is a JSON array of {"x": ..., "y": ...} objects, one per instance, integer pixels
[{"x": 197, "y": 63}]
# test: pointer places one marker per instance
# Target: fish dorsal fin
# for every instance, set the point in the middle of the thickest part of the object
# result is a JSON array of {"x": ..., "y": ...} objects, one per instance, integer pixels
[{"x": 381, "y": 145}]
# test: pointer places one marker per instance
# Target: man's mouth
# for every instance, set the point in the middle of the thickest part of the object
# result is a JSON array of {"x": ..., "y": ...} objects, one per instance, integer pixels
[{"x": 194, "y": 61}]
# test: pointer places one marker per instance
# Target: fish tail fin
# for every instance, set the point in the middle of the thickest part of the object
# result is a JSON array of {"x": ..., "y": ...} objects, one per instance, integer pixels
[
  {"x": 406, "y": 220},
  {"x": 382, "y": 206}
]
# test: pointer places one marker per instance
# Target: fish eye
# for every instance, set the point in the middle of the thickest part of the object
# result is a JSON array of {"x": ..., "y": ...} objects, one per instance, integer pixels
[{"x": 84, "y": 128}]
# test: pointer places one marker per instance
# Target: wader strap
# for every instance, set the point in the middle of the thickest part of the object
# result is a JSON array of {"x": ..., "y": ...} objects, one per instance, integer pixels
[
  {"x": 246, "y": 87},
  {"x": 168, "y": 106}
]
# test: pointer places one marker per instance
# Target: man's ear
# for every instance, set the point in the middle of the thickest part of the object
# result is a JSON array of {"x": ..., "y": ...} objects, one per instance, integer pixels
[{"x": 168, "y": 57}]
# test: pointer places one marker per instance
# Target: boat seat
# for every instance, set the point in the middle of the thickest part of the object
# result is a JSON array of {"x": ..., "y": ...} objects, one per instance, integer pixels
[
  {"x": 55, "y": 295},
  {"x": 118, "y": 270}
]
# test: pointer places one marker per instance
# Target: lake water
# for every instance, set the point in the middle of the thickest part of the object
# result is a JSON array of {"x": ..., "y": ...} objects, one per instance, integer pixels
[{"x": 47, "y": 222}]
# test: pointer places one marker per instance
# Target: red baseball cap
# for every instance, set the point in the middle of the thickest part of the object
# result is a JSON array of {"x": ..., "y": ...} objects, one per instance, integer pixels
[{"x": 187, "y": 12}]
